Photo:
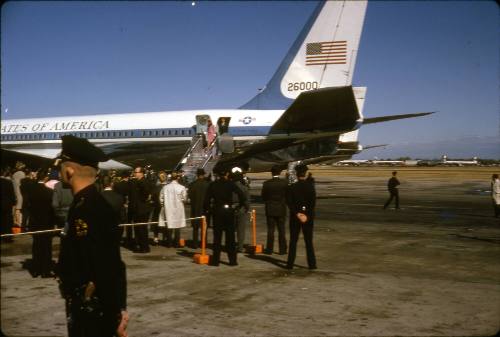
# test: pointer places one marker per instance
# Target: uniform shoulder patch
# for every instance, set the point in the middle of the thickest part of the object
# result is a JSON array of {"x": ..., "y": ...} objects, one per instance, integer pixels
[{"x": 81, "y": 227}]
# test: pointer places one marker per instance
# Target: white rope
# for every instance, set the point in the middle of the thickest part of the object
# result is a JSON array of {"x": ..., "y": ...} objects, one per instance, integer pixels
[{"x": 60, "y": 229}]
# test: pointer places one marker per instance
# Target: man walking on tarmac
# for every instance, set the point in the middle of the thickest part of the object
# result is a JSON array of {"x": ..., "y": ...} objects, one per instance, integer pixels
[
  {"x": 90, "y": 270},
  {"x": 220, "y": 196},
  {"x": 392, "y": 186}
]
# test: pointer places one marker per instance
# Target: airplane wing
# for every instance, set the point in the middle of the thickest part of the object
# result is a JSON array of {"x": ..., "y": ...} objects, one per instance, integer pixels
[
  {"x": 36, "y": 160},
  {"x": 328, "y": 109},
  {"x": 381, "y": 119},
  {"x": 31, "y": 160}
]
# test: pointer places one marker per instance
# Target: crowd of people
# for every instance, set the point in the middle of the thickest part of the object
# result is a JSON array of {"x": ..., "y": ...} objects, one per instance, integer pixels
[{"x": 145, "y": 200}]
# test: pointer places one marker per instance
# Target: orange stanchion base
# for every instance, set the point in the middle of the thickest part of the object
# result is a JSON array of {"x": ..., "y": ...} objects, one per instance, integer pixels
[
  {"x": 16, "y": 230},
  {"x": 201, "y": 259},
  {"x": 257, "y": 249},
  {"x": 182, "y": 243}
]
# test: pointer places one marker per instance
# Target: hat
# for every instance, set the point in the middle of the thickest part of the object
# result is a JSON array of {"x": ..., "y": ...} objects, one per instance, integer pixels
[
  {"x": 80, "y": 151},
  {"x": 200, "y": 172},
  {"x": 276, "y": 170},
  {"x": 301, "y": 169}
]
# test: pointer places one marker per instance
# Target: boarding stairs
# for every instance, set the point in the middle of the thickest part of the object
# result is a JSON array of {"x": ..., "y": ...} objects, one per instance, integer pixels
[{"x": 198, "y": 156}]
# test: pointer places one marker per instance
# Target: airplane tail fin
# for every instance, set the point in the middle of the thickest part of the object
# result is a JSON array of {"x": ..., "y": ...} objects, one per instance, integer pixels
[{"x": 323, "y": 55}]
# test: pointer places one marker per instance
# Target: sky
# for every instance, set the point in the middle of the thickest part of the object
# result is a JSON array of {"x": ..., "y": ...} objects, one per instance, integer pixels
[{"x": 74, "y": 58}]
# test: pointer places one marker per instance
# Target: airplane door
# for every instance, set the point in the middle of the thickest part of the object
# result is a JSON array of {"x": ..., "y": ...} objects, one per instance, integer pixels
[
  {"x": 223, "y": 125},
  {"x": 226, "y": 142},
  {"x": 201, "y": 124}
]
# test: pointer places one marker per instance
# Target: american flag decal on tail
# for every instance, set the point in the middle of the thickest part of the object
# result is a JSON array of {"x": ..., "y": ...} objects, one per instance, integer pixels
[{"x": 329, "y": 52}]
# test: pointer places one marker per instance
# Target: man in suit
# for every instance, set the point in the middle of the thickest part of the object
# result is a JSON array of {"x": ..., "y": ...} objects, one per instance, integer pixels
[
  {"x": 39, "y": 204},
  {"x": 301, "y": 198},
  {"x": 196, "y": 193},
  {"x": 140, "y": 207},
  {"x": 274, "y": 196},
  {"x": 91, "y": 272},
  {"x": 115, "y": 200}
]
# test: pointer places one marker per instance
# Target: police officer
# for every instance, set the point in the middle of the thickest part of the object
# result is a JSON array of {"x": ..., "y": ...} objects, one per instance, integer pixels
[
  {"x": 301, "y": 198},
  {"x": 220, "y": 197},
  {"x": 90, "y": 270},
  {"x": 274, "y": 196}
]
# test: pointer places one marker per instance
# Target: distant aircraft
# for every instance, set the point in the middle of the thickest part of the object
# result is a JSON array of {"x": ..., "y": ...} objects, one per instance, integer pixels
[
  {"x": 445, "y": 161},
  {"x": 308, "y": 112}
]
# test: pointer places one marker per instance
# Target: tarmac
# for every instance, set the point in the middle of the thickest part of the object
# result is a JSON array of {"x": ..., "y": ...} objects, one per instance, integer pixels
[{"x": 429, "y": 269}]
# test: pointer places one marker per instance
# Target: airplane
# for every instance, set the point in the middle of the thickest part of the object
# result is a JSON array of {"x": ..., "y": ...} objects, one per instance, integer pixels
[
  {"x": 308, "y": 112},
  {"x": 445, "y": 161}
]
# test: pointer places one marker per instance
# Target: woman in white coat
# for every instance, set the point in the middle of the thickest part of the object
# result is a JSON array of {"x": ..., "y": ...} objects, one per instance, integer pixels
[{"x": 172, "y": 198}]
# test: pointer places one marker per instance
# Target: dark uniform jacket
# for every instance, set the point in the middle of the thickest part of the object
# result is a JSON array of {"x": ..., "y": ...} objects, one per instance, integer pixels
[
  {"x": 196, "y": 193},
  {"x": 301, "y": 198},
  {"x": 90, "y": 251},
  {"x": 220, "y": 196},
  {"x": 392, "y": 184},
  {"x": 274, "y": 195},
  {"x": 39, "y": 203}
]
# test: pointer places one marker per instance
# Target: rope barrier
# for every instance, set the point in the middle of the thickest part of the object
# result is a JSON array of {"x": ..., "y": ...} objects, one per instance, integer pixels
[{"x": 60, "y": 229}]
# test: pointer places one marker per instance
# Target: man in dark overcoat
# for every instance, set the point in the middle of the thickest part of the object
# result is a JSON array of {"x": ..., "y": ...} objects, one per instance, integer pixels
[
  {"x": 274, "y": 196},
  {"x": 38, "y": 202},
  {"x": 196, "y": 193}
]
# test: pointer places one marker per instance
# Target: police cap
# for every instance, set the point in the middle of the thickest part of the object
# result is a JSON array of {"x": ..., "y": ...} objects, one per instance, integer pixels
[{"x": 80, "y": 151}]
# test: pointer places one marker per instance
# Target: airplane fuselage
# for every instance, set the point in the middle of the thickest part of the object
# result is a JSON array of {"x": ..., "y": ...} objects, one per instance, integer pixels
[{"x": 159, "y": 138}]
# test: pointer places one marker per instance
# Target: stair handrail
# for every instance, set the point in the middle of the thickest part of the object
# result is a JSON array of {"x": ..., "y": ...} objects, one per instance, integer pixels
[
  {"x": 188, "y": 151},
  {"x": 210, "y": 153}
]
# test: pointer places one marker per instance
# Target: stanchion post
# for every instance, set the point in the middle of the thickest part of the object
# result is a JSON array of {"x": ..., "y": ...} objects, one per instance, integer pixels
[
  {"x": 254, "y": 248},
  {"x": 202, "y": 258}
]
